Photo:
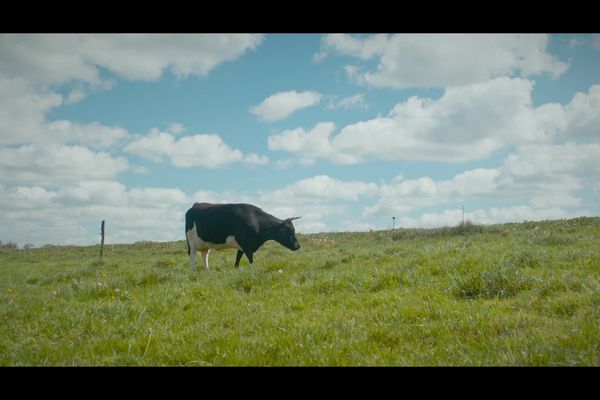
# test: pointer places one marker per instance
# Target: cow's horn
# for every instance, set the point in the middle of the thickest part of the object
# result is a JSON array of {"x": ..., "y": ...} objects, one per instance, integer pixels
[{"x": 292, "y": 218}]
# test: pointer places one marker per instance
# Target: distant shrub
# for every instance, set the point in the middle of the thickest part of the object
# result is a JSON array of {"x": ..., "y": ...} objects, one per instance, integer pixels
[
  {"x": 462, "y": 229},
  {"x": 8, "y": 246},
  {"x": 466, "y": 228}
]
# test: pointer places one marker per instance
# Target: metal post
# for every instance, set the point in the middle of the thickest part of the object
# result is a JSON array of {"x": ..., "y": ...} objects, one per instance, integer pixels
[
  {"x": 102, "y": 240},
  {"x": 393, "y": 223}
]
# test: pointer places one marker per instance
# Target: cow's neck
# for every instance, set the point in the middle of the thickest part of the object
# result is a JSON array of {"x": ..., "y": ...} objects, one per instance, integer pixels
[{"x": 268, "y": 230}]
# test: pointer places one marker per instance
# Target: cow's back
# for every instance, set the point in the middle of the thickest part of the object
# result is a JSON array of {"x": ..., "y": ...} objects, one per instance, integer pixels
[{"x": 215, "y": 222}]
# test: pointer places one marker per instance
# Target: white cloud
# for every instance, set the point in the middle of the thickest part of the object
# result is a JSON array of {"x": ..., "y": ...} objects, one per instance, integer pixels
[
  {"x": 175, "y": 128},
  {"x": 255, "y": 159},
  {"x": 542, "y": 181},
  {"x": 33, "y": 196},
  {"x": 438, "y": 60},
  {"x": 553, "y": 160},
  {"x": 304, "y": 226},
  {"x": 401, "y": 196},
  {"x": 583, "y": 115},
  {"x": 323, "y": 187},
  {"x": 466, "y": 123},
  {"x": 282, "y": 104},
  {"x": 94, "y": 135},
  {"x": 206, "y": 150},
  {"x": 350, "y": 102},
  {"x": 357, "y": 226},
  {"x": 56, "y": 164},
  {"x": 23, "y": 109},
  {"x": 494, "y": 215},
  {"x": 39, "y": 216},
  {"x": 315, "y": 199},
  {"x": 544, "y": 176},
  {"x": 34, "y": 66},
  {"x": 57, "y": 59},
  {"x": 363, "y": 48},
  {"x": 210, "y": 196},
  {"x": 306, "y": 145},
  {"x": 57, "y": 180},
  {"x": 93, "y": 192},
  {"x": 355, "y": 74}
]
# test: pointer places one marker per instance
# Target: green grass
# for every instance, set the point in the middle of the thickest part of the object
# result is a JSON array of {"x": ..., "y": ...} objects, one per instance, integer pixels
[{"x": 512, "y": 294}]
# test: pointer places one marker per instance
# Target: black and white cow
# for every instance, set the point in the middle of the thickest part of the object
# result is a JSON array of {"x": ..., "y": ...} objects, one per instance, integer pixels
[{"x": 234, "y": 226}]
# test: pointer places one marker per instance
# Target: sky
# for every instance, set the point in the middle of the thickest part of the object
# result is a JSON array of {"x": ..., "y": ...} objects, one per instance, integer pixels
[{"x": 346, "y": 131}]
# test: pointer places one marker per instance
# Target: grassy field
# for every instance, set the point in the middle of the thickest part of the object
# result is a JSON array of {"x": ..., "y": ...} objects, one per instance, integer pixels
[{"x": 513, "y": 294}]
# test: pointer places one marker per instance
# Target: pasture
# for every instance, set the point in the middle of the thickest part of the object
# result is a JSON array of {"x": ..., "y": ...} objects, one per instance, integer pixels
[{"x": 511, "y": 294}]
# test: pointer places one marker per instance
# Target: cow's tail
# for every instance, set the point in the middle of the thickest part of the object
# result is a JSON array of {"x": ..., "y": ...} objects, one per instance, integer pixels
[{"x": 188, "y": 225}]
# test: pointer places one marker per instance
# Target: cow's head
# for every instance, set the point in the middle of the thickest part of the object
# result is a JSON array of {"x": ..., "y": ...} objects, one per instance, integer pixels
[{"x": 286, "y": 234}]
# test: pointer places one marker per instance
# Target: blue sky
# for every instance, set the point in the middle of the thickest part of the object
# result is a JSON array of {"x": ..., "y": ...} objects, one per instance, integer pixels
[{"x": 343, "y": 130}]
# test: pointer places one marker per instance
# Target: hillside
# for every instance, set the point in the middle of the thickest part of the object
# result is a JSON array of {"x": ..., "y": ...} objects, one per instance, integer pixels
[{"x": 512, "y": 294}]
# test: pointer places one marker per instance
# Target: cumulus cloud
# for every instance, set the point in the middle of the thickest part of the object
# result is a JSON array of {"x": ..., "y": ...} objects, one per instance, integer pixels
[
  {"x": 537, "y": 181},
  {"x": 542, "y": 176},
  {"x": 346, "y": 103},
  {"x": 401, "y": 196},
  {"x": 23, "y": 109},
  {"x": 438, "y": 60},
  {"x": 282, "y": 104},
  {"x": 322, "y": 187},
  {"x": 315, "y": 199},
  {"x": 360, "y": 47},
  {"x": 525, "y": 180},
  {"x": 494, "y": 215},
  {"x": 34, "y": 66},
  {"x": 306, "y": 145},
  {"x": 465, "y": 123},
  {"x": 583, "y": 115},
  {"x": 72, "y": 213},
  {"x": 553, "y": 160},
  {"x": 56, "y": 164},
  {"x": 207, "y": 150},
  {"x": 56, "y": 175},
  {"x": 56, "y": 59}
]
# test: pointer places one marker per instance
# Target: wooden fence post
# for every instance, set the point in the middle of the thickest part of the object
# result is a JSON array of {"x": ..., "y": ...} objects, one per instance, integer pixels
[{"x": 102, "y": 240}]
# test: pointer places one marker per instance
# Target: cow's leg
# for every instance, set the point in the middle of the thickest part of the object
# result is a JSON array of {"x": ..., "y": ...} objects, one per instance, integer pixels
[
  {"x": 248, "y": 248},
  {"x": 238, "y": 257},
  {"x": 191, "y": 249},
  {"x": 250, "y": 256},
  {"x": 193, "y": 259},
  {"x": 205, "y": 258}
]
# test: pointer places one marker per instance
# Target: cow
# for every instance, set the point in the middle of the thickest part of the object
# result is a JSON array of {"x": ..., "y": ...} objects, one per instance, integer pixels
[{"x": 244, "y": 227}]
